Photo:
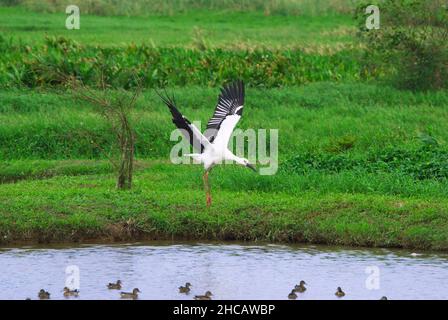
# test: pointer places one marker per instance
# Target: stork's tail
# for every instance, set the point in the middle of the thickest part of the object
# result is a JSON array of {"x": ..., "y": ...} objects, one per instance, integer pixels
[{"x": 196, "y": 156}]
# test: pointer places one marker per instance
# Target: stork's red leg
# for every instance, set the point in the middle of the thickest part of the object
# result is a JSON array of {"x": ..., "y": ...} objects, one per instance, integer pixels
[{"x": 207, "y": 189}]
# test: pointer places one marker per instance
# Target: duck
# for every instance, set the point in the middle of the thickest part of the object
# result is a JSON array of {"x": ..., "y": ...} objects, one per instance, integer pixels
[
  {"x": 292, "y": 295},
  {"x": 43, "y": 295},
  {"x": 185, "y": 289},
  {"x": 339, "y": 293},
  {"x": 130, "y": 295},
  {"x": 70, "y": 293},
  {"x": 300, "y": 287},
  {"x": 115, "y": 286},
  {"x": 206, "y": 296}
]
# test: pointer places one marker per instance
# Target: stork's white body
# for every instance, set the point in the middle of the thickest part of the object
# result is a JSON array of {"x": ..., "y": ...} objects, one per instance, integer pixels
[{"x": 212, "y": 157}]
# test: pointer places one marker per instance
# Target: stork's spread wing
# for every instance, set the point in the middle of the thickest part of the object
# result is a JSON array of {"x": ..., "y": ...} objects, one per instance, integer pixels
[
  {"x": 227, "y": 114},
  {"x": 189, "y": 130}
]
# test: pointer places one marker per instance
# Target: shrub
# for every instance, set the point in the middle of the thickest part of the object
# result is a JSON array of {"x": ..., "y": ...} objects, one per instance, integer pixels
[
  {"x": 426, "y": 162},
  {"x": 412, "y": 42}
]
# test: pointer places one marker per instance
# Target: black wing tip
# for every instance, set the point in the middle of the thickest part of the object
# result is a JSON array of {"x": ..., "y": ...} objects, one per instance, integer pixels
[
  {"x": 169, "y": 101},
  {"x": 234, "y": 91},
  {"x": 178, "y": 119},
  {"x": 164, "y": 97}
]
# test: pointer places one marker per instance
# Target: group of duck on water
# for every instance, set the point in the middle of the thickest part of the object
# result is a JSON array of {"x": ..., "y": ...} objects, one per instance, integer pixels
[
  {"x": 298, "y": 288},
  {"x": 45, "y": 295}
]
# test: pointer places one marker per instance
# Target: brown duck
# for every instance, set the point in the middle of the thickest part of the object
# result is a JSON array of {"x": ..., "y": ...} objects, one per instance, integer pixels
[
  {"x": 43, "y": 295},
  {"x": 70, "y": 293},
  {"x": 292, "y": 295},
  {"x": 130, "y": 295},
  {"x": 300, "y": 287},
  {"x": 185, "y": 289},
  {"x": 339, "y": 293},
  {"x": 114, "y": 286},
  {"x": 206, "y": 296}
]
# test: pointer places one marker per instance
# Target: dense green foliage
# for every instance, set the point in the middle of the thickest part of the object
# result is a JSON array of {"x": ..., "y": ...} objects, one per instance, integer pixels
[
  {"x": 424, "y": 163},
  {"x": 412, "y": 42},
  {"x": 40, "y": 65}
]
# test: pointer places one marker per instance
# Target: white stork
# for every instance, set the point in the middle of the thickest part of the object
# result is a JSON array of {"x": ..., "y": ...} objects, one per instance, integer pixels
[{"x": 212, "y": 146}]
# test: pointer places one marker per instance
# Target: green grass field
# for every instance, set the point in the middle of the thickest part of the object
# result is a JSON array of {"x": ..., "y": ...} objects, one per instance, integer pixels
[
  {"x": 235, "y": 30},
  {"x": 360, "y": 162}
]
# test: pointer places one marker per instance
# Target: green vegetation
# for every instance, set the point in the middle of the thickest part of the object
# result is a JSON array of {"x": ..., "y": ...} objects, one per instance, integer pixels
[
  {"x": 361, "y": 162},
  {"x": 40, "y": 65},
  {"x": 234, "y": 30},
  {"x": 412, "y": 42},
  {"x": 169, "y": 7},
  {"x": 423, "y": 163}
]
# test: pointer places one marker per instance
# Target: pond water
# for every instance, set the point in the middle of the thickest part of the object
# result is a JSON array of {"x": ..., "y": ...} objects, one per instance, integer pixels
[{"x": 228, "y": 270}]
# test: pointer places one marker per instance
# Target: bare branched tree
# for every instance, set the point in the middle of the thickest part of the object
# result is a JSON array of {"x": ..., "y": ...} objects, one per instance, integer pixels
[{"x": 116, "y": 107}]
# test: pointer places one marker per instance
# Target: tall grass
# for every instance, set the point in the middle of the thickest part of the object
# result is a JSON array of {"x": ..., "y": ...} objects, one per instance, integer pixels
[{"x": 147, "y": 7}]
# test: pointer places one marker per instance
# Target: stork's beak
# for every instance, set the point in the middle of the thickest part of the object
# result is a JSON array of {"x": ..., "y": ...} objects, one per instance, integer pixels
[{"x": 251, "y": 166}]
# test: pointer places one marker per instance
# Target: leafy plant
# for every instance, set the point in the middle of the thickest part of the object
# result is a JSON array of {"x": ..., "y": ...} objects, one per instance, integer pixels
[
  {"x": 427, "y": 162},
  {"x": 411, "y": 43},
  {"x": 158, "y": 67},
  {"x": 342, "y": 144}
]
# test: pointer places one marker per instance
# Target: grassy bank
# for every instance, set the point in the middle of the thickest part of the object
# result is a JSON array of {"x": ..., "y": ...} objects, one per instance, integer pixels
[{"x": 168, "y": 202}]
